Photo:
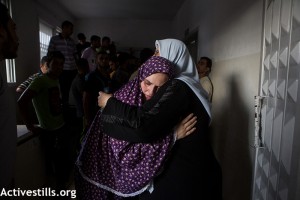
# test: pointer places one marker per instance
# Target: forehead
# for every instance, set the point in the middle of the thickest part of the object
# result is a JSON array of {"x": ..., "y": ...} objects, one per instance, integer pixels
[
  {"x": 68, "y": 26},
  {"x": 157, "y": 79},
  {"x": 202, "y": 61},
  {"x": 153, "y": 77}
]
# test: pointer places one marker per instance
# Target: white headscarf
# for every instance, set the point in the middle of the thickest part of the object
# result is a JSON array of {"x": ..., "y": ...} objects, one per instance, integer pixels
[{"x": 185, "y": 69}]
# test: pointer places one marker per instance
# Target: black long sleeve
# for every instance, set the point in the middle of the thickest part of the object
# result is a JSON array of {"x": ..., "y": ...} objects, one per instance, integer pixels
[{"x": 154, "y": 119}]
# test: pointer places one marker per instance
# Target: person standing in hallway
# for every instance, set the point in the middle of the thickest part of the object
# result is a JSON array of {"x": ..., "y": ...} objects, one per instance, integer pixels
[
  {"x": 67, "y": 46},
  {"x": 82, "y": 44},
  {"x": 204, "y": 68},
  {"x": 90, "y": 53},
  {"x": 107, "y": 46},
  {"x": 9, "y": 43},
  {"x": 55, "y": 138},
  {"x": 77, "y": 93},
  {"x": 97, "y": 80}
]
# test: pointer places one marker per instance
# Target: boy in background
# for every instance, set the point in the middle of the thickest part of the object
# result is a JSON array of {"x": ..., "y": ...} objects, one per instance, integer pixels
[
  {"x": 44, "y": 93},
  {"x": 43, "y": 70}
]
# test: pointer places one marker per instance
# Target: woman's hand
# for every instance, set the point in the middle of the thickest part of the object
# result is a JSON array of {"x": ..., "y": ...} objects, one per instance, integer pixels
[
  {"x": 102, "y": 99},
  {"x": 186, "y": 126}
]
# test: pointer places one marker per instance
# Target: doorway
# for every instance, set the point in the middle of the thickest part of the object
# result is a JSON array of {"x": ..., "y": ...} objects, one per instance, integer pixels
[{"x": 191, "y": 42}]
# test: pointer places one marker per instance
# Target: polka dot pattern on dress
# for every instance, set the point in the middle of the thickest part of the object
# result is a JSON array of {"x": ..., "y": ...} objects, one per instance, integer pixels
[{"x": 109, "y": 168}]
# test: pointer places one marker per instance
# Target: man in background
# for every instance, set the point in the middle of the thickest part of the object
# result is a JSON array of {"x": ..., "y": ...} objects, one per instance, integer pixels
[
  {"x": 9, "y": 43},
  {"x": 82, "y": 44},
  {"x": 67, "y": 46},
  {"x": 204, "y": 68},
  {"x": 90, "y": 53}
]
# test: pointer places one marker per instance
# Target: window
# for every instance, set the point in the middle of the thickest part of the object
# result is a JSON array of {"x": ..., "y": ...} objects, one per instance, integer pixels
[
  {"x": 45, "y": 36},
  {"x": 10, "y": 70},
  {"x": 10, "y": 63}
]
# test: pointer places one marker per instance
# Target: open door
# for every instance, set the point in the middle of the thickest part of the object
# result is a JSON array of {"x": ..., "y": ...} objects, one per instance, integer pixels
[{"x": 191, "y": 42}]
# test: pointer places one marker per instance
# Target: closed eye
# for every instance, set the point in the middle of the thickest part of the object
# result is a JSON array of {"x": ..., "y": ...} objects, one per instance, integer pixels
[{"x": 147, "y": 82}]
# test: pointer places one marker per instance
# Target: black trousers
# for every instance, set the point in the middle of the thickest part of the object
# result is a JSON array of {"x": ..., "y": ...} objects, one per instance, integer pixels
[
  {"x": 57, "y": 146},
  {"x": 65, "y": 81}
]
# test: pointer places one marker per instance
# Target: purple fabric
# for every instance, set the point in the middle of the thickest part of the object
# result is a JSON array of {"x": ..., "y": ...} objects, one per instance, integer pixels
[{"x": 108, "y": 166}]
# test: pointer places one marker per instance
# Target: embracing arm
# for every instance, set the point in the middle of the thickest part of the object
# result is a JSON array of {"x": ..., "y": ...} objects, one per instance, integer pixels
[
  {"x": 23, "y": 103},
  {"x": 186, "y": 126},
  {"x": 156, "y": 118}
]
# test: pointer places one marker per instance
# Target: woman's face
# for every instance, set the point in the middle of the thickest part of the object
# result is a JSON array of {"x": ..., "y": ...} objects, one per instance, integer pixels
[{"x": 152, "y": 83}]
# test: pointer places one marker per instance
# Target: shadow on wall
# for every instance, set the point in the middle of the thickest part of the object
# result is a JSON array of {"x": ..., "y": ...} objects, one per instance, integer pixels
[{"x": 230, "y": 141}]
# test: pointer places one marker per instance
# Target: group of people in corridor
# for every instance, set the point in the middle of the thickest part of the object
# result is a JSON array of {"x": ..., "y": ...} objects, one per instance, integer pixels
[{"x": 138, "y": 129}]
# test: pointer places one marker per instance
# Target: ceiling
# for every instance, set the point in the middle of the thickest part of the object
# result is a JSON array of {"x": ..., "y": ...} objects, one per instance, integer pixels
[{"x": 122, "y": 9}]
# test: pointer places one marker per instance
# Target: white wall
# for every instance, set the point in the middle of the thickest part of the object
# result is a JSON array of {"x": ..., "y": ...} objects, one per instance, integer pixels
[
  {"x": 52, "y": 13},
  {"x": 230, "y": 33}
]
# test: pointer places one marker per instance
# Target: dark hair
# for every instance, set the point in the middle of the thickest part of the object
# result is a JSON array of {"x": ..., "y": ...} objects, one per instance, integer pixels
[
  {"x": 66, "y": 24},
  {"x": 44, "y": 60},
  {"x": 145, "y": 54},
  {"x": 81, "y": 36},
  {"x": 82, "y": 63},
  {"x": 123, "y": 57},
  {"x": 54, "y": 54},
  {"x": 105, "y": 38},
  {"x": 94, "y": 38},
  {"x": 4, "y": 15},
  {"x": 208, "y": 61},
  {"x": 113, "y": 58}
]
